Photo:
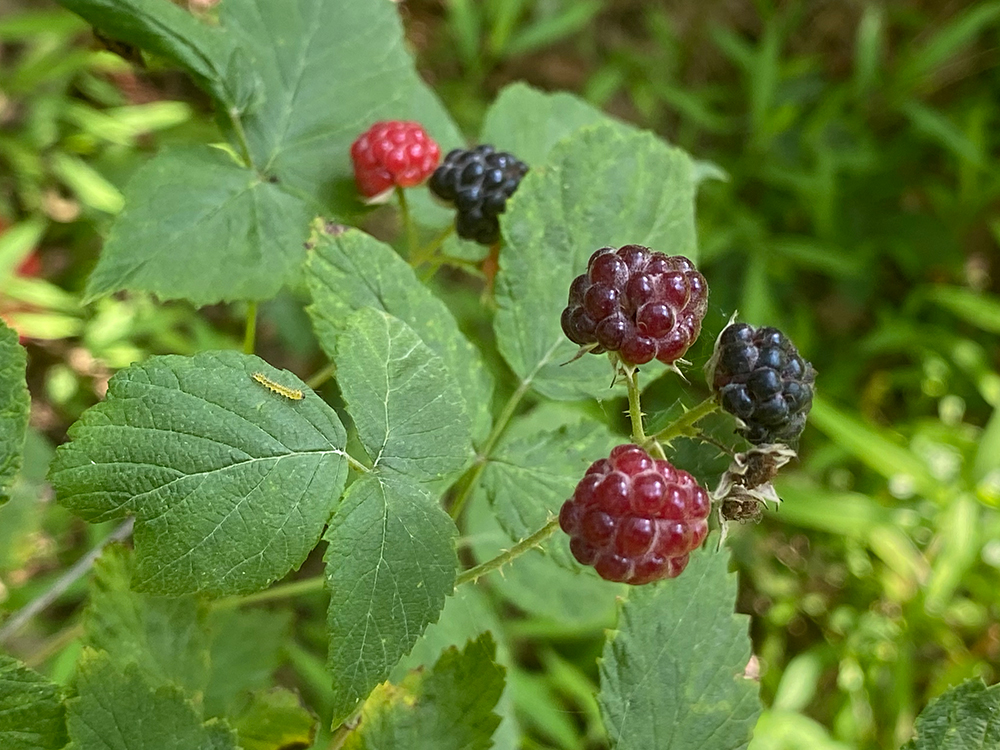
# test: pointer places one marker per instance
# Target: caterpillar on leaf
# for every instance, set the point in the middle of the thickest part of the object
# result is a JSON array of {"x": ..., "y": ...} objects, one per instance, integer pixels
[{"x": 290, "y": 393}]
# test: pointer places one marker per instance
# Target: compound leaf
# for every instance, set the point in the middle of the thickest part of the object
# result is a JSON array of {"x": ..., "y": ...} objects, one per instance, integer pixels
[
  {"x": 117, "y": 710},
  {"x": 165, "y": 636},
  {"x": 603, "y": 185},
  {"x": 349, "y": 270},
  {"x": 390, "y": 564},
  {"x": 32, "y": 715},
  {"x": 407, "y": 407},
  {"x": 230, "y": 483},
  {"x": 199, "y": 226},
  {"x": 449, "y": 708},
  {"x": 14, "y": 403},
  {"x": 296, "y": 82},
  {"x": 672, "y": 673},
  {"x": 966, "y": 717}
]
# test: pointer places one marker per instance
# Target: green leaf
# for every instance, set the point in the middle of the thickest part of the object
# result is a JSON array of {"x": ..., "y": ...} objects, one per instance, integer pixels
[
  {"x": 528, "y": 122},
  {"x": 32, "y": 716},
  {"x": 165, "y": 637},
  {"x": 209, "y": 55},
  {"x": 449, "y": 708},
  {"x": 600, "y": 187},
  {"x": 407, "y": 407},
  {"x": 234, "y": 230},
  {"x": 963, "y": 718},
  {"x": 199, "y": 226},
  {"x": 528, "y": 479},
  {"x": 390, "y": 563},
  {"x": 244, "y": 652},
  {"x": 14, "y": 403},
  {"x": 230, "y": 483},
  {"x": 275, "y": 720},
  {"x": 118, "y": 710},
  {"x": 351, "y": 270},
  {"x": 672, "y": 673},
  {"x": 979, "y": 310}
]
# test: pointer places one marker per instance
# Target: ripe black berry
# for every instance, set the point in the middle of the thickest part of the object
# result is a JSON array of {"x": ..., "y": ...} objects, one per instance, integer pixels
[
  {"x": 637, "y": 302},
  {"x": 760, "y": 379},
  {"x": 635, "y": 519},
  {"x": 478, "y": 183}
]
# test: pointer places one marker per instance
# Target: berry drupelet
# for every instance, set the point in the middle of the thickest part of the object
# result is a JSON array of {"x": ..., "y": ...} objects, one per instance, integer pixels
[
  {"x": 637, "y": 302},
  {"x": 478, "y": 182},
  {"x": 635, "y": 519},
  {"x": 760, "y": 379},
  {"x": 393, "y": 154}
]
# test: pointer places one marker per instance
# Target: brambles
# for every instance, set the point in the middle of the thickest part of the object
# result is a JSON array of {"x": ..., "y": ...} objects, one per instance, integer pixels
[
  {"x": 635, "y": 519},
  {"x": 393, "y": 154},
  {"x": 761, "y": 380},
  {"x": 478, "y": 182},
  {"x": 637, "y": 302}
]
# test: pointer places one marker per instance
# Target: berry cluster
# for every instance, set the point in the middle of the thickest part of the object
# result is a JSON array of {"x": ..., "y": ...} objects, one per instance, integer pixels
[
  {"x": 478, "y": 183},
  {"x": 393, "y": 154},
  {"x": 637, "y": 302},
  {"x": 635, "y": 519},
  {"x": 762, "y": 381}
]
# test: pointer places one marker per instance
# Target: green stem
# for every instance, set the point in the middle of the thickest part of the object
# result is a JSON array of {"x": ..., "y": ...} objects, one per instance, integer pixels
[
  {"x": 250, "y": 337},
  {"x": 634, "y": 407},
  {"x": 283, "y": 591},
  {"x": 427, "y": 252},
  {"x": 407, "y": 219},
  {"x": 241, "y": 137},
  {"x": 683, "y": 424},
  {"x": 474, "y": 574},
  {"x": 473, "y": 474},
  {"x": 322, "y": 376}
]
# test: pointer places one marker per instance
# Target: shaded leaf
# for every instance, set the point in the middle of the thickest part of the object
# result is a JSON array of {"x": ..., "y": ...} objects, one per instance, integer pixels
[
  {"x": 14, "y": 403},
  {"x": 450, "y": 707},
  {"x": 275, "y": 720},
  {"x": 389, "y": 565},
  {"x": 602, "y": 186},
  {"x": 165, "y": 637},
  {"x": 32, "y": 716},
  {"x": 350, "y": 270},
  {"x": 407, "y": 407},
  {"x": 672, "y": 672},
  {"x": 966, "y": 717},
  {"x": 230, "y": 483},
  {"x": 118, "y": 710}
]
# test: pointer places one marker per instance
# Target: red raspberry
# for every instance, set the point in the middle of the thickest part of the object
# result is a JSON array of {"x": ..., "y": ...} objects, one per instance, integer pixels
[
  {"x": 393, "y": 154},
  {"x": 635, "y": 519},
  {"x": 637, "y": 302}
]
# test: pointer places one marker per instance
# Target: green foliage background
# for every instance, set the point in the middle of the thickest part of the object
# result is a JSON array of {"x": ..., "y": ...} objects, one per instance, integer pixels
[{"x": 859, "y": 210}]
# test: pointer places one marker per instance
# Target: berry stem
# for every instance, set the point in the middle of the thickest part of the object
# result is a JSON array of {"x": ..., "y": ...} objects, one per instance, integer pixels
[
  {"x": 427, "y": 252},
  {"x": 322, "y": 376},
  {"x": 250, "y": 335},
  {"x": 407, "y": 219},
  {"x": 474, "y": 574},
  {"x": 634, "y": 407},
  {"x": 683, "y": 424}
]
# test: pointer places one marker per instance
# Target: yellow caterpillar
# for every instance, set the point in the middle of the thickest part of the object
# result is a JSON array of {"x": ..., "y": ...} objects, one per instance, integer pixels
[{"x": 292, "y": 393}]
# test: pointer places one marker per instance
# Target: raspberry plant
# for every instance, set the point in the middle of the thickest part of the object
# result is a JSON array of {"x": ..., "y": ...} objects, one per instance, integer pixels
[{"x": 419, "y": 465}]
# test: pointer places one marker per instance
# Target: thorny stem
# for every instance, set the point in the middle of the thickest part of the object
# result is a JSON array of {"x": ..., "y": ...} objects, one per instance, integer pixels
[
  {"x": 474, "y": 574},
  {"x": 475, "y": 471},
  {"x": 683, "y": 424},
  {"x": 634, "y": 407},
  {"x": 250, "y": 337},
  {"x": 407, "y": 219}
]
